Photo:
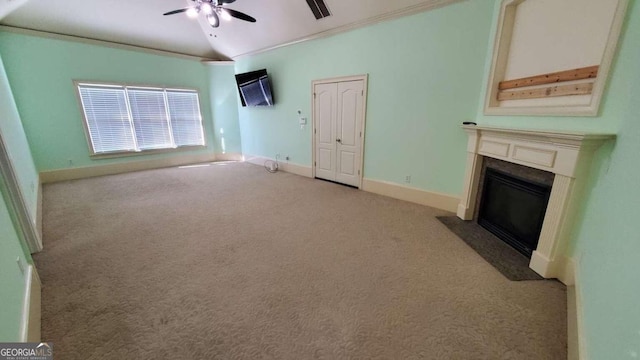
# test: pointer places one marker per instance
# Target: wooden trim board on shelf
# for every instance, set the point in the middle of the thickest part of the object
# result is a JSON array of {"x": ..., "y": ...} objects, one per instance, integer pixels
[
  {"x": 589, "y": 72},
  {"x": 551, "y": 91},
  {"x": 506, "y": 87}
]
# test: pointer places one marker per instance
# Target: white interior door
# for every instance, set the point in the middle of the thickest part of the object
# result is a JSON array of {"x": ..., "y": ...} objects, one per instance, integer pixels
[
  {"x": 348, "y": 132},
  {"x": 326, "y": 108},
  {"x": 339, "y": 117}
]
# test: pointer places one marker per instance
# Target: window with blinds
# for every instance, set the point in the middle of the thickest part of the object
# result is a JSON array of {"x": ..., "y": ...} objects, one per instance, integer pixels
[{"x": 133, "y": 119}]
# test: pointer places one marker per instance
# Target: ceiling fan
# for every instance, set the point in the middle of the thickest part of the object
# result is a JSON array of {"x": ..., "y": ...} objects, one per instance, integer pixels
[{"x": 213, "y": 10}]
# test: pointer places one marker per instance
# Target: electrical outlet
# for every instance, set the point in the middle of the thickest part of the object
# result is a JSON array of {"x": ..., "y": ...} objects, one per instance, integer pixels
[{"x": 407, "y": 179}]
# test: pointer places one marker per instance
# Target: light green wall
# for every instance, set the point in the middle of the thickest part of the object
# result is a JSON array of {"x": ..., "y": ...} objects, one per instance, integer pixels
[
  {"x": 605, "y": 242},
  {"x": 12, "y": 281},
  {"x": 17, "y": 146},
  {"x": 608, "y": 244},
  {"x": 12, "y": 246},
  {"x": 425, "y": 74},
  {"x": 224, "y": 104},
  {"x": 41, "y": 72}
]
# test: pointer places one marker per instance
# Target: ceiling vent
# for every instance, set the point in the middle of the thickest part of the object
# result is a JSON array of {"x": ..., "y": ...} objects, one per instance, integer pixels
[{"x": 319, "y": 9}]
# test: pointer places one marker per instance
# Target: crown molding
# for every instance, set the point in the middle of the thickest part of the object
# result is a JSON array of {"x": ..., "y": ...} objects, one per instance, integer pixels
[
  {"x": 103, "y": 43},
  {"x": 410, "y": 10},
  {"x": 218, "y": 62}
]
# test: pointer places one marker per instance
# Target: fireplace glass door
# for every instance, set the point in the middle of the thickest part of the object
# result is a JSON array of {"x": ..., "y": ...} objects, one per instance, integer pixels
[{"x": 513, "y": 209}]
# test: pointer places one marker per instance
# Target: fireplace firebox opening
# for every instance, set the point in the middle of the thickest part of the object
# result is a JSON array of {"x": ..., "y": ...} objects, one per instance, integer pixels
[{"x": 513, "y": 209}]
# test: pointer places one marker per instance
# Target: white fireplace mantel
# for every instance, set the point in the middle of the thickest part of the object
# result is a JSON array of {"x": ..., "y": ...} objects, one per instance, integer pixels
[{"x": 566, "y": 154}]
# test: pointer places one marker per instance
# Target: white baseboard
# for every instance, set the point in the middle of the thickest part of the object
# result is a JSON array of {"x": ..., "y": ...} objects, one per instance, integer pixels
[
  {"x": 568, "y": 272},
  {"x": 573, "y": 352},
  {"x": 561, "y": 268},
  {"x": 565, "y": 270},
  {"x": 418, "y": 196},
  {"x": 119, "y": 168},
  {"x": 464, "y": 212},
  {"x": 229, "y": 157},
  {"x": 543, "y": 265},
  {"x": 38, "y": 225},
  {"x": 284, "y": 166},
  {"x": 433, "y": 199},
  {"x": 31, "y": 307},
  {"x": 578, "y": 338}
]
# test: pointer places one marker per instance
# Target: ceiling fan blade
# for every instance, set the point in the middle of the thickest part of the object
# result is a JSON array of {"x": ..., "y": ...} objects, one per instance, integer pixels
[
  {"x": 240, "y": 15},
  {"x": 226, "y": 1},
  {"x": 176, "y": 11}
]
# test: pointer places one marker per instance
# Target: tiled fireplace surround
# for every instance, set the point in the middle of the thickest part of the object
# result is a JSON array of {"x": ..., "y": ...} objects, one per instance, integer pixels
[{"x": 566, "y": 154}]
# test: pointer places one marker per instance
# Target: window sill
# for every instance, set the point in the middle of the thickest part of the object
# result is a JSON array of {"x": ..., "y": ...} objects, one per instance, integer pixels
[{"x": 118, "y": 154}]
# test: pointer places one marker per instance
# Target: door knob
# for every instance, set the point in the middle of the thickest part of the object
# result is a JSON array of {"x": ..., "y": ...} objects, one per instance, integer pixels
[{"x": 338, "y": 140}]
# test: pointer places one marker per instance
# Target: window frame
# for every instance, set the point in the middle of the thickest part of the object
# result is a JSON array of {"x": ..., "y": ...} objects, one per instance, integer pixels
[{"x": 122, "y": 153}]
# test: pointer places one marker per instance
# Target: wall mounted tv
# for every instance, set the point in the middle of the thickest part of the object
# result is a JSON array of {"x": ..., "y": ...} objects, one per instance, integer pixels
[{"x": 254, "y": 88}]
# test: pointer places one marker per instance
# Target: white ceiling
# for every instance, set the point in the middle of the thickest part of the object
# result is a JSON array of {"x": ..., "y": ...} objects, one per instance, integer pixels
[{"x": 140, "y": 22}]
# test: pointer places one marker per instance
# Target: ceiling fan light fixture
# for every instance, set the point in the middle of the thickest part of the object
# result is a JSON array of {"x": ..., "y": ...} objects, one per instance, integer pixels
[
  {"x": 193, "y": 12},
  {"x": 213, "y": 20},
  {"x": 213, "y": 10},
  {"x": 207, "y": 8},
  {"x": 225, "y": 14}
]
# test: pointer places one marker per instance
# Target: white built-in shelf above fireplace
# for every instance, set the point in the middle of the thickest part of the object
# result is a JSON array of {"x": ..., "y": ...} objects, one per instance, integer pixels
[{"x": 568, "y": 155}]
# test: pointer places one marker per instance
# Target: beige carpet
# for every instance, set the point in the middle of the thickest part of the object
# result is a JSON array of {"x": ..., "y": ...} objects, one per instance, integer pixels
[{"x": 231, "y": 262}]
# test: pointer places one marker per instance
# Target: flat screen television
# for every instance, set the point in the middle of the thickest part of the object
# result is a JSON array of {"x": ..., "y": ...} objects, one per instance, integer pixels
[{"x": 254, "y": 88}]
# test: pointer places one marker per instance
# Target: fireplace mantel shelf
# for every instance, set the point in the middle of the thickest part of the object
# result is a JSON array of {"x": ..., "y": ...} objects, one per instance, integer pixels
[
  {"x": 550, "y": 135},
  {"x": 565, "y": 154}
]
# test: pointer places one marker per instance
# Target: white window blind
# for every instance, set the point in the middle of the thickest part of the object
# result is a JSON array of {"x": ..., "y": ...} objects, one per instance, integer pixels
[
  {"x": 121, "y": 118},
  {"x": 185, "y": 117},
  {"x": 105, "y": 110},
  {"x": 150, "y": 119}
]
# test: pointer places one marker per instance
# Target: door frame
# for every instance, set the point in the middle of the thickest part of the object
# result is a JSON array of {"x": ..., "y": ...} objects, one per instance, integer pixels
[
  {"x": 16, "y": 202},
  {"x": 365, "y": 79}
]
